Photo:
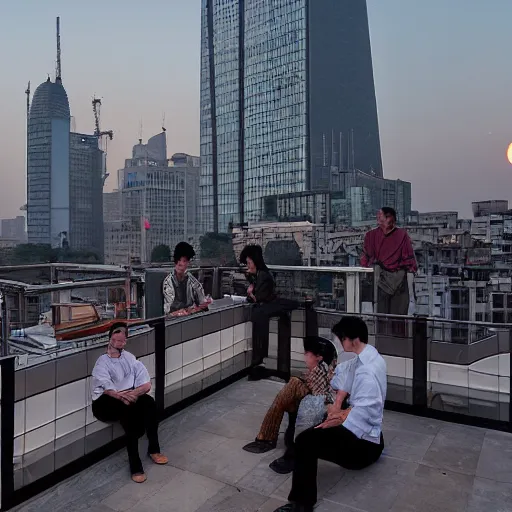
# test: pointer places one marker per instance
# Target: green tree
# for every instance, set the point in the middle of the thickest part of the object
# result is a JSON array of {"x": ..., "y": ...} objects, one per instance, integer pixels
[
  {"x": 161, "y": 254},
  {"x": 217, "y": 248}
]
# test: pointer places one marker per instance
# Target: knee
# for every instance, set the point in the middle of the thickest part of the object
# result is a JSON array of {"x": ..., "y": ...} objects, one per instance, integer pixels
[{"x": 305, "y": 440}]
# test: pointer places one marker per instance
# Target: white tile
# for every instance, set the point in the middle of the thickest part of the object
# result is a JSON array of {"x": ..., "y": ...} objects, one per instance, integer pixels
[
  {"x": 174, "y": 377},
  {"x": 483, "y": 381},
  {"x": 89, "y": 416},
  {"x": 297, "y": 356},
  {"x": 248, "y": 330},
  {"x": 450, "y": 374},
  {"x": 504, "y": 384},
  {"x": 504, "y": 365},
  {"x": 71, "y": 398},
  {"x": 240, "y": 347},
  {"x": 192, "y": 369},
  {"x": 297, "y": 345},
  {"x": 489, "y": 365},
  {"x": 95, "y": 426},
  {"x": 211, "y": 360},
  {"x": 408, "y": 368},
  {"x": 226, "y": 354},
  {"x": 226, "y": 338},
  {"x": 39, "y": 437},
  {"x": 19, "y": 446},
  {"x": 238, "y": 333},
  {"x": 149, "y": 363},
  {"x": 40, "y": 409},
  {"x": 395, "y": 366},
  {"x": 192, "y": 351},
  {"x": 88, "y": 391},
  {"x": 273, "y": 339},
  {"x": 19, "y": 418},
  {"x": 70, "y": 423},
  {"x": 173, "y": 358},
  {"x": 211, "y": 343}
]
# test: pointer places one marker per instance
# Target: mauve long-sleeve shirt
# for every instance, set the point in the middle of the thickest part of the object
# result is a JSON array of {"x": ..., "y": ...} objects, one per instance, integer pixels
[{"x": 393, "y": 251}]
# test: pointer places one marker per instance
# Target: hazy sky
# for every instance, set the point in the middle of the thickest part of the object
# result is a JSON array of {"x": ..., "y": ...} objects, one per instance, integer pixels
[{"x": 443, "y": 75}]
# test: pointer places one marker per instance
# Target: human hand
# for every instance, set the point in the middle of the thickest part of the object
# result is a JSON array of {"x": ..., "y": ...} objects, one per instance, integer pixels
[
  {"x": 330, "y": 423},
  {"x": 250, "y": 290},
  {"x": 129, "y": 395},
  {"x": 341, "y": 415},
  {"x": 180, "y": 312}
]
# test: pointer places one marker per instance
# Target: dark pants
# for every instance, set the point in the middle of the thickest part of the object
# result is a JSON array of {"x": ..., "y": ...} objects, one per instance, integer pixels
[
  {"x": 397, "y": 304},
  {"x": 260, "y": 317},
  {"x": 135, "y": 419},
  {"x": 336, "y": 445}
]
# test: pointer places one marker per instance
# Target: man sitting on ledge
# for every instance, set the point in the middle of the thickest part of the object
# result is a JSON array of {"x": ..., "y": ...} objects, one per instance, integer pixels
[
  {"x": 351, "y": 438},
  {"x": 120, "y": 387},
  {"x": 183, "y": 293}
]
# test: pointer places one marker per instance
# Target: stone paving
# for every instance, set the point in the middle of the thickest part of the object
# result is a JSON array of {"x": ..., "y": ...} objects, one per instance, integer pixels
[{"x": 427, "y": 466}]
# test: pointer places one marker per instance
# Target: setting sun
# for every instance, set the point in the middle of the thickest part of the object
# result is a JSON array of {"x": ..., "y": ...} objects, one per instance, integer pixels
[{"x": 509, "y": 153}]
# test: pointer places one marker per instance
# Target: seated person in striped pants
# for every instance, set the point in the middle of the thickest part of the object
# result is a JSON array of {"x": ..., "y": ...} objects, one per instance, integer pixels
[{"x": 320, "y": 359}]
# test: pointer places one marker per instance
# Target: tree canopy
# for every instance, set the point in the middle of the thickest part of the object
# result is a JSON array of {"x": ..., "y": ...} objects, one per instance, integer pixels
[{"x": 161, "y": 254}]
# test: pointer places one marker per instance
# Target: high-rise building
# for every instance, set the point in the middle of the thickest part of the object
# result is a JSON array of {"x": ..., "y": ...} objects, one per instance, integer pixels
[
  {"x": 159, "y": 201},
  {"x": 14, "y": 229},
  {"x": 287, "y": 94},
  {"x": 48, "y": 201},
  {"x": 86, "y": 193}
]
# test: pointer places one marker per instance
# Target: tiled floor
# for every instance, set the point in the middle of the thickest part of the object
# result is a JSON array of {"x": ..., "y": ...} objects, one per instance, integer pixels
[{"x": 428, "y": 466}]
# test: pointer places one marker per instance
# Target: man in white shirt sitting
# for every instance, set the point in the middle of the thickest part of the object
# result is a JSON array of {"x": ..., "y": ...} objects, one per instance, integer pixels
[
  {"x": 351, "y": 438},
  {"x": 120, "y": 387}
]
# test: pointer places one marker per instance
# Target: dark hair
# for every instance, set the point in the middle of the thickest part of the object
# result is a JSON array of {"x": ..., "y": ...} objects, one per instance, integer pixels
[
  {"x": 320, "y": 347},
  {"x": 351, "y": 327},
  {"x": 117, "y": 326},
  {"x": 183, "y": 250},
  {"x": 255, "y": 252},
  {"x": 387, "y": 210}
]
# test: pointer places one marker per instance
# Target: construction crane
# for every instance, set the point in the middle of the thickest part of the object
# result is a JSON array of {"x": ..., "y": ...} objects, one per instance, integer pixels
[{"x": 105, "y": 134}]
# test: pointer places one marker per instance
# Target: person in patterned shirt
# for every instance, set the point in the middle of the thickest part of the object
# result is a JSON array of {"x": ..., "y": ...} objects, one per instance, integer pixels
[{"x": 320, "y": 359}]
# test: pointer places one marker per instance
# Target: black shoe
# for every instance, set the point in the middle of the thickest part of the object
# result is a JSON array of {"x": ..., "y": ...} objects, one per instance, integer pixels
[
  {"x": 293, "y": 507},
  {"x": 282, "y": 466},
  {"x": 259, "y": 446},
  {"x": 257, "y": 373}
]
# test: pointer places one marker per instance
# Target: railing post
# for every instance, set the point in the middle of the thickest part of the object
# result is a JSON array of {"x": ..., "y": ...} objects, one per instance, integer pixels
[
  {"x": 311, "y": 318},
  {"x": 7, "y": 431},
  {"x": 160, "y": 364},
  {"x": 284, "y": 346},
  {"x": 216, "y": 283},
  {"x": 352, "y": 301},
  {"x": 419, "y": 362}
]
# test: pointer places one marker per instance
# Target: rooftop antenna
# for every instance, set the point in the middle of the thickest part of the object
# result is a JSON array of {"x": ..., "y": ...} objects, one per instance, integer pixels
[
  {"x": 163, "y": 122},
  {"x": 140, "y": 131},
  {"x": 58, "y": 71}
]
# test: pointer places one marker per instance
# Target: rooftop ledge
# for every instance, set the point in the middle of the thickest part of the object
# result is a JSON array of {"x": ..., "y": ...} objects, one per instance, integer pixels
[
  {"x": 48, "y": 432},
  {"x": 427, "y": 464}
]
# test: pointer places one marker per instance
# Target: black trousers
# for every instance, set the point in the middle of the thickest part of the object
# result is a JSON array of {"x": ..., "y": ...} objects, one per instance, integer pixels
[
  {"x": 338, "y": 445},
  {"x": 135, "y": 419},
  {"x": 260, "y": 317}
]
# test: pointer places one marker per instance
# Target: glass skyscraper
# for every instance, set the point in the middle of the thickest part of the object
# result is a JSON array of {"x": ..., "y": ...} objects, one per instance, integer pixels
[{"x": 287, "y": 94}]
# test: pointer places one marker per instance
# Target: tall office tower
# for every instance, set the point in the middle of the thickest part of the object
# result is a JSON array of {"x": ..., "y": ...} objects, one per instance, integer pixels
[
  {"x": 287, "y": 97},
  {"x": 158, "y": 199},
  {"x": 86, "y": 193}
]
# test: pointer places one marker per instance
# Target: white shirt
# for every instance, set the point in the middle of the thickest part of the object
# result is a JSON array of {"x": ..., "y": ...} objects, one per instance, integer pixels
[
  {"x": 364, "y": 378},
  {"x": 117, "y": 374}
]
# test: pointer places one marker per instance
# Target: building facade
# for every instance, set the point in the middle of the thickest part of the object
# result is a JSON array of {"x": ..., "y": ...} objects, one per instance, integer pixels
[
  {"x": 86, "y": 194},
  {"x": 48, "y": 187},
  {"x": 158, "y": 201},
  {"x": 14, "y": 229},
  {"x": 287, "y": 97}
]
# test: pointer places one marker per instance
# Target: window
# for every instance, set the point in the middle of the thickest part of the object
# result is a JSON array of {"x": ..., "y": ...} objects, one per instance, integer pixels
[
  {"x": 497, "y": 301},
  {"x": 498, "y": 317}
]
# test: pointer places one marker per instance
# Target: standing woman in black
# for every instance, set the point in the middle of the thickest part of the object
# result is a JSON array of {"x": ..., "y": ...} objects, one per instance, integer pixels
[{"x": 262, "y": 294}]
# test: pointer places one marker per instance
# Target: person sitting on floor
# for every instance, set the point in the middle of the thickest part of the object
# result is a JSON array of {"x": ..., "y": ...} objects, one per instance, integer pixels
[
  {"x": 351, "y": 438},
  {"x": 183, "y": 293},
  {"x": 120, "y": 387},
  {"x": 320, "y": 362}
]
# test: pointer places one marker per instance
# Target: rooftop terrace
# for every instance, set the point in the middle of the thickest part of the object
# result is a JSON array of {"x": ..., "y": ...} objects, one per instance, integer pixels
[{"x": 427, "y": 466}]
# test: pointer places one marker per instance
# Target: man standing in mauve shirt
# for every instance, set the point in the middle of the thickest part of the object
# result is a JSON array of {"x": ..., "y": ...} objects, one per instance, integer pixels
[{"x": 389, "y": 250}]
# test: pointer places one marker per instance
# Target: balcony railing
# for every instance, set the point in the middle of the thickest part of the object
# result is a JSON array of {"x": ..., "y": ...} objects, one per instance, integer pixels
[{"x": 457, "y": 371}]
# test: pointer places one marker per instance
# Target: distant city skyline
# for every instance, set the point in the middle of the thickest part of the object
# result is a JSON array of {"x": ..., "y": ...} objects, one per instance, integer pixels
[{"x": 441, "y": 75}]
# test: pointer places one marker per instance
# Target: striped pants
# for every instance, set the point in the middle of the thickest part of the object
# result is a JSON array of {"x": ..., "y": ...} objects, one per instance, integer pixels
[{"x": 287, "y": 400}]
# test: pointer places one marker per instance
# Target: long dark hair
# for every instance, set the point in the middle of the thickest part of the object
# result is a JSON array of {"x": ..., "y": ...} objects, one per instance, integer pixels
[{"x": 255, "y": 252}]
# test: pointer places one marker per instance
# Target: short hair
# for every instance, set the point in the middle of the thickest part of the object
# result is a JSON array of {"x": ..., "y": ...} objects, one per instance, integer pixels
[
  {"x": 320, "y": 347},
  {"x": 351, "y": 327},
  {"x": 183, "y": 250},
  {"x": 387, "y": 210},
  {"x": 255, "y": 252},
  {"x": 116, "y": 327}
]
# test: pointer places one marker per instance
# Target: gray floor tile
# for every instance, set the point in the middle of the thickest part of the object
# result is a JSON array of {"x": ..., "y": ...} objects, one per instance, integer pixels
[
  {"x": 186, "y": 492},
  {"x": 490, "y": 496},
  {"x": 406, "y": 445},
  {"x": 398, "y": 421},
  {"x": 456, "y": 448},
  {"x": 233, "y": 499},
  {"x": 375, "y": 488},
  {"x": 496, "y": 457},
  {"x": 432, "y": 489}
]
